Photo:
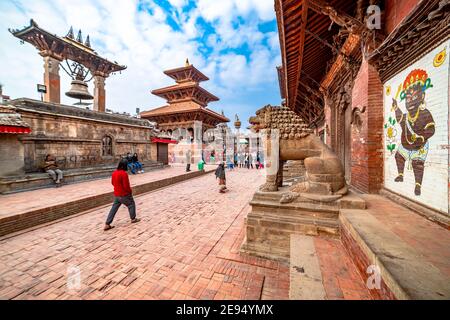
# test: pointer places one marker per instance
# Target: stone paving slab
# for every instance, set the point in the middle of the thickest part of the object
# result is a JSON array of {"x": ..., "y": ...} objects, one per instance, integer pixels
[
  {"x": 185, "y": 247},
  {"x": 404, "y": 270},
  {"x": 429, "y": 239}
]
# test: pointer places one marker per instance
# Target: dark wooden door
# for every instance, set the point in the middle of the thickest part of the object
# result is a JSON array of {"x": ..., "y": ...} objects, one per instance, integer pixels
[{"x": 163, "y": 153}]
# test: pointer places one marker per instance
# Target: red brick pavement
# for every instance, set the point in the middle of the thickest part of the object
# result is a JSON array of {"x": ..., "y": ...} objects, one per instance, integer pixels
[
  {"x": 22, "y": 202},
  {"x": 185, "y": 247},
  {"x": 341, "y": 278}
]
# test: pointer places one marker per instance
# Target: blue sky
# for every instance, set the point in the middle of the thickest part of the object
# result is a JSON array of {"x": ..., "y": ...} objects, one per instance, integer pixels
[{"x": 234, "y": 42}]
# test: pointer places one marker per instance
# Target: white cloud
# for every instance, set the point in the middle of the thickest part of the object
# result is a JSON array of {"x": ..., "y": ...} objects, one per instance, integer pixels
[{"x": 146, "y": 44}]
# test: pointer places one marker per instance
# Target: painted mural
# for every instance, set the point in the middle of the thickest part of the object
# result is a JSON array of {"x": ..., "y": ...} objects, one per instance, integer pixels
[{"x": 416, "y": 130}]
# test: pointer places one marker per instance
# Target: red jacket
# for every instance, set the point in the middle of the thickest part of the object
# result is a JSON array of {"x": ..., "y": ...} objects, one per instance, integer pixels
[{"x": 121, "y": 183}]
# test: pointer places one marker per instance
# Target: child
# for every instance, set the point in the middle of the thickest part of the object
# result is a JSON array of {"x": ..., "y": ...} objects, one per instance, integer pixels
[{"x": 220, "y": 173}]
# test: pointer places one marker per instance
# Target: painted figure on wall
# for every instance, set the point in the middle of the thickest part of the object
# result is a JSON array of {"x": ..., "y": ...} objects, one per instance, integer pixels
[{"x": 417, "y": 127}]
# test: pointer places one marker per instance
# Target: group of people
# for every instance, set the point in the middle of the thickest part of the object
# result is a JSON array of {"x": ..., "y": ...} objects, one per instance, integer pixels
[
  {"x": 123, "y": 193},
  {"x": 133, "y": 163},
  {"x": 50, "y": 166},
  {"x": 249, "y": 160}
]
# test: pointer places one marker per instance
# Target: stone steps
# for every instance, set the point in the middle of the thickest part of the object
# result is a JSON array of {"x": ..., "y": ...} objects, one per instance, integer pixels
[
  {"x": 306, "y": 281},
  {"x": 270, "y": 224},
  {"x": 404, "y": 273}
]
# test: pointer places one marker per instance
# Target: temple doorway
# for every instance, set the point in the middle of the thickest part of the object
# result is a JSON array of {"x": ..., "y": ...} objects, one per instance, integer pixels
[{"x": 163, "y": 153}]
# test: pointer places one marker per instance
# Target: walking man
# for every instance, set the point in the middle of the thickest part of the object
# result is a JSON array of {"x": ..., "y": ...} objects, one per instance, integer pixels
[
  {"x": 188, "y": 160},
  {"x": 122, "y": 194}
]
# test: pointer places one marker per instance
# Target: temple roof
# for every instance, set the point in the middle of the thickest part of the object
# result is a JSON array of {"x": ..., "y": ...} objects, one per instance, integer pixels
[
  {"x": 11, "y": 121},
  {"x": 66, "y": 48},
  {"x": 185, "y": 91},
  {"x": 310, "y": 36},
  {"x": 187, "y": 100},
  {"x": 186, "y": 73},
  {"x": 182, "y": 108}
]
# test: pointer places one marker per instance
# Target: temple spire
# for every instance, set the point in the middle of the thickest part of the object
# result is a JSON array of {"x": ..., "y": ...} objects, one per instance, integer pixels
[
  {"x": 88, "y": 42},
  {"x": 187, "y": 64},
  {"x": 79, "y": 37},
  {"x": 70, "y": 33}
]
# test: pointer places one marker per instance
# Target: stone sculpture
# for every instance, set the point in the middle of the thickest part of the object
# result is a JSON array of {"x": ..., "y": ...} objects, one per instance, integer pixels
[{"x": 287, "y": 137}]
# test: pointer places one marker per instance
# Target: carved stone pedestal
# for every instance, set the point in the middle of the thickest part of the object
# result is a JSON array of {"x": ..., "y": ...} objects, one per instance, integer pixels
[{"x": 270, "y": 224}]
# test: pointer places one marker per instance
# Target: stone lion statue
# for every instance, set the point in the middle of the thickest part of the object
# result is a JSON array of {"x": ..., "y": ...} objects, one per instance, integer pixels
[{"x": 286, "y": 137}]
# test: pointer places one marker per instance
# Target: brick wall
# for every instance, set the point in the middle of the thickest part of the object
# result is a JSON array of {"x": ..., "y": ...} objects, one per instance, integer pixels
[
  {"x": 396, "y": 11},
  {"x": 366, "y": 146},
  {"x": 435, "y": 184}
]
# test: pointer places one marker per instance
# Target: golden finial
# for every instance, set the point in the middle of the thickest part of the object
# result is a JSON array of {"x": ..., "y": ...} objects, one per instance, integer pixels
[{"x": 187, "y": 64}]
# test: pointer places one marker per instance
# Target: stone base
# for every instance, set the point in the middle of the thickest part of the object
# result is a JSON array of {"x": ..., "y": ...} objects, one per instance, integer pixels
[
  {"x": 33, "y": 181},
  {"x": 270, "y": 224},
  {"x": 404, "y": 273}
]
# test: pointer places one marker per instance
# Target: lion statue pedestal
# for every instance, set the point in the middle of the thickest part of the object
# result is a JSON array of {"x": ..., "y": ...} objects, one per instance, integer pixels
[{"x": 310, "y": 206}]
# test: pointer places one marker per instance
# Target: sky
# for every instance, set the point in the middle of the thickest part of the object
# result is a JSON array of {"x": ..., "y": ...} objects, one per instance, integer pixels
[{"x": 234, "y": 42}]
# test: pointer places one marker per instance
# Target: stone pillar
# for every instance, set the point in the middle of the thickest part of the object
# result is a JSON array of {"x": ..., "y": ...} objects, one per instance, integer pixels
[
  {"x": 99, "y": 93},
  {"x": 52, "y": 80}
]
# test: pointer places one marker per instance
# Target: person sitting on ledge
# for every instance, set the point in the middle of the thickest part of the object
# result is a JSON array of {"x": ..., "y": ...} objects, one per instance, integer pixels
[
  {"x": 51, "y": 168},
  {"x": 137, "y": 164},
  {"x": 131, "y": 166}
]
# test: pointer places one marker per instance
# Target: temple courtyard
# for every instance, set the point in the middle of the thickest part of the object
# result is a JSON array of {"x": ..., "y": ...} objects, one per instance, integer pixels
[{"x": 185, "y": 247}]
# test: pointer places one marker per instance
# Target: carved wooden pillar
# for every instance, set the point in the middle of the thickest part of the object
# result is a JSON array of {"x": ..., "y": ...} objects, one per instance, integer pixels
[
  {"x": 99, "y": 93},
  {"x": 52, "y": 79}
]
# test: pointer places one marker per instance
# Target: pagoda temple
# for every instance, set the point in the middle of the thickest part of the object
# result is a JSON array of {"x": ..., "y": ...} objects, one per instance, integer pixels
[{"x": 187, "y": 102}]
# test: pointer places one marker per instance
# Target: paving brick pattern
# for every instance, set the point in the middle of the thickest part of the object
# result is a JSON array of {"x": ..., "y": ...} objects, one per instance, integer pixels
[
  {"x": 341, "y": 278},
  {"x": 22, "y": 202},
  {"x": 185, "y": 247}
]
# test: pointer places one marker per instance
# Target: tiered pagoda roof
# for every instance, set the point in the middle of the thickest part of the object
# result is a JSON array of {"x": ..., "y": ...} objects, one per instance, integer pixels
[{"x": 187, "y": 100}]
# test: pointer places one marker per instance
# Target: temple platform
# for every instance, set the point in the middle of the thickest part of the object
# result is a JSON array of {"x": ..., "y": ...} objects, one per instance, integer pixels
[
  {"x": 29, "y": 209},
  {"x": 334, "y": 250},
  {"x": 271, "y": 223},
  {"x": 38, "y": 180}
]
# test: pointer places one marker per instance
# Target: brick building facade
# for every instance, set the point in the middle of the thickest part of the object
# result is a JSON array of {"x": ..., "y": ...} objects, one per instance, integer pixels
[{"x": 348, "y": 100}]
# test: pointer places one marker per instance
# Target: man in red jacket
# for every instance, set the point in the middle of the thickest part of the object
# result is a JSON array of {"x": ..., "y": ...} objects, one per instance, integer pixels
[{"x": 122, "y": 194}]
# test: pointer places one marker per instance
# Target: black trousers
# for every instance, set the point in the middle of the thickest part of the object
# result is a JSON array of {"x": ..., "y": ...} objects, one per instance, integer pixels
[{"x": 188, "y": 167}]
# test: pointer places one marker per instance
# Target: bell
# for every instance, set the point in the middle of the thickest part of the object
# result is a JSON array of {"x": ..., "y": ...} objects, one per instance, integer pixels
[{"x": 79, "y": 90}]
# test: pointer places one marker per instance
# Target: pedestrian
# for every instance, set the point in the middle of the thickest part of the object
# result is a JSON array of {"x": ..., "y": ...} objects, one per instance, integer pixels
[
  {"x": 51, "y": 168},
  {"x": 188, "y": 160},
  {"x": 220, "y": 174},
  {"x": 130, "y": 164},
  {"x": 201, "y": 165},
  {"x": 122, "y": 194},
  {"x": 241, "y": 159},
  {"x": 212, "y": 157},
  {"x": 247, "y": 165},
  {"x": 250, "y": 160},
  {"x": 137, "y": 164}
]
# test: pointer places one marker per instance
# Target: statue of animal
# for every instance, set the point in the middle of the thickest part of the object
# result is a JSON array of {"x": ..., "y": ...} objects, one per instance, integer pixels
[{"x": 286, "y": 137}]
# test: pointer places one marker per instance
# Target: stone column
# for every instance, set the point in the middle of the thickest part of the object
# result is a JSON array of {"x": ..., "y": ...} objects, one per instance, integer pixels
[
  {"x": 52, "y": 80},
  {"x": 99, "y": 93}
]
